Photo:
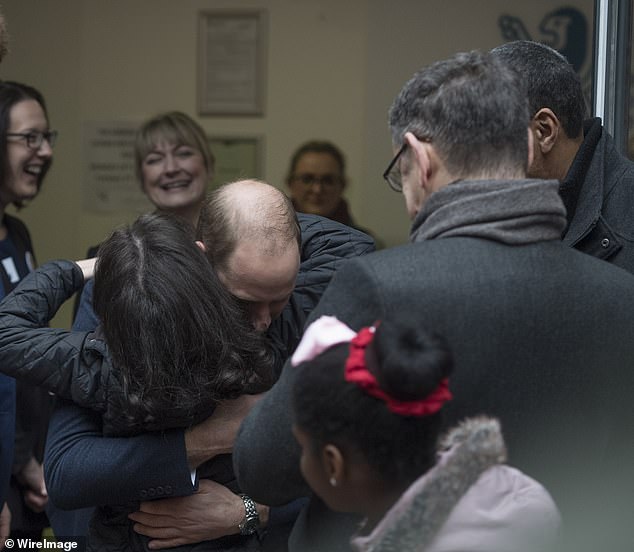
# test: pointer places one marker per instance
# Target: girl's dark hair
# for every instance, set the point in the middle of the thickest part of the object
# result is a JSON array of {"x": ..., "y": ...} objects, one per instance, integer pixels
[
  {"x": 12, "y": 93},
  {"x": 409, "y": 364},
  {"x": 179, "y": 342}
]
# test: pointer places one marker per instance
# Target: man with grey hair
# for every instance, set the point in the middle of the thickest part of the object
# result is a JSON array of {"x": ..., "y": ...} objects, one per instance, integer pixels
[{"x": 487, "y": 271}]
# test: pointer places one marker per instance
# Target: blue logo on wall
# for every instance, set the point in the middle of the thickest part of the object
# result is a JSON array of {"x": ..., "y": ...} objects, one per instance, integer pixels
[{"x": 564, "y": 29}]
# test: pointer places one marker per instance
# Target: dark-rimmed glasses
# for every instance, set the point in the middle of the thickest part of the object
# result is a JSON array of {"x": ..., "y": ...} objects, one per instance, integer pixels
[
  {"x": 325, "y": 180},
  {"x": 392, "y": 174},
  {"x": 34, "y": 140}
]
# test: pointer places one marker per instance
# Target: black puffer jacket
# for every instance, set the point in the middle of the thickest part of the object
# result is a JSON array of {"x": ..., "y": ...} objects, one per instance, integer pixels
[
  {"x": 77, "y": 366},
  {"x": 72, "y": 365},
  {"x": 326, "y": 244}
]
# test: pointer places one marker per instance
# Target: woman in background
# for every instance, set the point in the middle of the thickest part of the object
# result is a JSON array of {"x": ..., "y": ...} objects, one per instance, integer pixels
[
  {"x": 316, "y": 180},
  {"x": 174, "y": 166},
  {"x": 26, "y": 153}
]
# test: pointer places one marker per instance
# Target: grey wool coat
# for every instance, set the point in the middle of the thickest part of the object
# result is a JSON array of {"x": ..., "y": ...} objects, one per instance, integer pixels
[{"x": 553, "y": 361}]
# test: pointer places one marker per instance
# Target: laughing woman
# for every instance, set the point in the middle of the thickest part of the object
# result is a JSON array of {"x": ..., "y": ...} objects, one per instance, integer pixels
[{"x": 25, "y": 156}]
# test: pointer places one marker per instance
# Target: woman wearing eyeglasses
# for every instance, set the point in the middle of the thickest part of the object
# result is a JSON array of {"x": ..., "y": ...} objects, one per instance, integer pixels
[
  {"x": 316, "y": 179},
  {"x": 25, "y": 157}
]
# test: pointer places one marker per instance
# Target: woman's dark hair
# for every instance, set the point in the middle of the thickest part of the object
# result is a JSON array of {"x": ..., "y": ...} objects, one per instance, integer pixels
[
  {"x": 408, "y": 364},
  {"x": 12, "y": 93},
  {"x": 179, "y": 342}
]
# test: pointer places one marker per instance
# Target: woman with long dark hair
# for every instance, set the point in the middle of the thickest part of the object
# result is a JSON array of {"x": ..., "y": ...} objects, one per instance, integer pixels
[{"x": 173, "y": 344}]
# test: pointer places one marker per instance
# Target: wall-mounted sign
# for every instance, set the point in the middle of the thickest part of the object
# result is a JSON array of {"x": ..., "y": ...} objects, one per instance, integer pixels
[
  {"x": 110, "y": 184},
  {"x": 231, "y": 62},
  {"x": 237, "y": 158}
]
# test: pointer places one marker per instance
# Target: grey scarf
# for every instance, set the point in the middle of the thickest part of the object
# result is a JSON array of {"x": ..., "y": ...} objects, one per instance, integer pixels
[{"x": 513, "y": 212}]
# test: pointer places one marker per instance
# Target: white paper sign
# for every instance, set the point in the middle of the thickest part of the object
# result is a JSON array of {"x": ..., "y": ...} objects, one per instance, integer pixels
[{"x": 110, "y": 184}]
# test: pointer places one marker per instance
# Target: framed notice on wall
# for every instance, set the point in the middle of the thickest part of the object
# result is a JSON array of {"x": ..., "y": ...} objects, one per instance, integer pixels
[
  {"x": 231, "y": 62},
  {"x": 237, "y": 158},
  {"x": 109, "y": 181}
]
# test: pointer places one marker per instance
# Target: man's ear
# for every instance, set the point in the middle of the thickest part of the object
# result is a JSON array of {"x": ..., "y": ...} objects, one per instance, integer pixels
[
  {"x": 545, "y": 128},
  {"x": 201, "y": 245},
  {"x": 420, "y": 158}
]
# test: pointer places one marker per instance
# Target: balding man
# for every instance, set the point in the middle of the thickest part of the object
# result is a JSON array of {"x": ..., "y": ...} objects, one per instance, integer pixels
[
  {"x": 252, "y": 238},
  {"x": 278, "y": 264}
]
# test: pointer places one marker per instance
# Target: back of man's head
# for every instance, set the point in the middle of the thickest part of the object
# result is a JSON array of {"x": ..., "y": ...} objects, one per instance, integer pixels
[
  {"x": 551, "y": 81},
  {"x": 472, "y": 108},
  {"x": 246, "y": 210}
]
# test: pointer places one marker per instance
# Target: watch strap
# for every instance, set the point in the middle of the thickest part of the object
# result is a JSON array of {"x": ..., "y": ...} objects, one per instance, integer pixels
[{"x": 251, "y": 521}]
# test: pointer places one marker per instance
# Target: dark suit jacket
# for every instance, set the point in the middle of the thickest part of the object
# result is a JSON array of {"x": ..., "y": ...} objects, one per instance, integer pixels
[
  {"x": 598, "y": 192},
  {"x": 543, "y": 339}
]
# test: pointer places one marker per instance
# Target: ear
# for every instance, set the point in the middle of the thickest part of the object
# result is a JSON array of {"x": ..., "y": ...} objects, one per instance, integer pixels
[
  {"x": 545, "y": 127},
  {"x": 201, "y": 246},
  {"x": 420, "y": 158},
  {"x": 333, "y": 462}
]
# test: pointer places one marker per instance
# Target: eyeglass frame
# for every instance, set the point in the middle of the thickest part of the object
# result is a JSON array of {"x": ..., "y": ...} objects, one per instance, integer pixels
[
  {"x": 315, "y": 179},
  {"x": 35, "y": 139},
  {"x": 398, "y": 186},
  {"x": 395, "y": 186}
]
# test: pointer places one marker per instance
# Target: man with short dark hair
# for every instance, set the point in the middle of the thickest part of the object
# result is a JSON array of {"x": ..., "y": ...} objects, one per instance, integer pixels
[
  {"x": 596, "y": 180},
  {"x": 486, "y": 270}
]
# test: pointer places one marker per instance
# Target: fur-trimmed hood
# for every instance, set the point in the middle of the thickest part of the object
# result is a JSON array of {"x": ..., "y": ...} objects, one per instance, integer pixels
[{"x": 468, "y": 501}]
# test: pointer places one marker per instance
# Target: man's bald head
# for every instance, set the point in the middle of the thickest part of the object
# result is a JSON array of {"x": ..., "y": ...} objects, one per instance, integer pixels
[
  {"x": 251, "y": 235},
  {"x": 261, "y": 213}
]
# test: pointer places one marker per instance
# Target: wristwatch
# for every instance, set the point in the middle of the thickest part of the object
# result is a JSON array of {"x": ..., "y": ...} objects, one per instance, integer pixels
[{"x": 251, "y": 521}]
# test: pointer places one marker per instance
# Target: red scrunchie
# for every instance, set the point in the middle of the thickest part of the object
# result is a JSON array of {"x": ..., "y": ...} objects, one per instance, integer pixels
[{"x": 357, "y": 372}]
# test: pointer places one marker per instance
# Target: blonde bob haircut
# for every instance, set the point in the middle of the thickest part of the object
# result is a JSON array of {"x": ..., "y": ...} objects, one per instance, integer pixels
[{"x": 173, "y": 127}]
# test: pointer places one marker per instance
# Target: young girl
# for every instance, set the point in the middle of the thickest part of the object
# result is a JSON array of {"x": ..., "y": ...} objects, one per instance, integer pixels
[
  {"x": 368, "y": 415},
  {"x": 173, "y": 343}
]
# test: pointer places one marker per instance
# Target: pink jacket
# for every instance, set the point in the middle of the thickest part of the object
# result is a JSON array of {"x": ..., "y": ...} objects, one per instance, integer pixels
[{"x": 468, "y": 502}]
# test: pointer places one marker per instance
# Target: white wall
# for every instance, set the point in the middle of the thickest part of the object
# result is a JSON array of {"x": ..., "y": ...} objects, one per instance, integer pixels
[{"x": 333, "y": 69}]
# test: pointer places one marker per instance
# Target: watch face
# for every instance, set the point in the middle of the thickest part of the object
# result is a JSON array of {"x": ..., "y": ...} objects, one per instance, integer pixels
[{"x": 249, "y": 526}]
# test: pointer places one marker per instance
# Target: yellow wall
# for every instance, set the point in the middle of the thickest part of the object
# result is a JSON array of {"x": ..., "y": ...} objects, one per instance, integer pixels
[{"x": 333, "y": 68}]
